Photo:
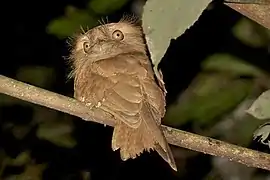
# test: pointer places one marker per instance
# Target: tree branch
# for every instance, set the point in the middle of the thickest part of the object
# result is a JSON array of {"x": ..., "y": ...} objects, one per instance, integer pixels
[
  {"x": 176, "y": 137},
  {"x": 257, "y": 12}
]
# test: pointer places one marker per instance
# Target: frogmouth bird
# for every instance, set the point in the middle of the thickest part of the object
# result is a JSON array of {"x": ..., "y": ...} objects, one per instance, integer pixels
[{"x": 113, "y": 72}]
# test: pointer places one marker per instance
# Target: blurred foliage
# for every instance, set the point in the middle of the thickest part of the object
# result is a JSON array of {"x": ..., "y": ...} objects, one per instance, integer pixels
[
  {"x": 210, "y": 100},
  {"x": 76, "y": 19},
  {"x": 254, "y": 36},
  {"x": 105, "y": 7},
  {"x": 232, "y": 65},
  {"x": 31, "y": 172},
  {"x": 22, "y": 159},
  {"x": 58, "y": 132},
  {"x": 73, "y": 19},
  {"x": 85, "y": 175},
  {"x": 38, "y": 75},
  {"x": 201, "y": 102}
]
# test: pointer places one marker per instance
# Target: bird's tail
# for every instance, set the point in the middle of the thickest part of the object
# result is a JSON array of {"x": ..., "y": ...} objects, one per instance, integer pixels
[{"x": 133, "y": 141}]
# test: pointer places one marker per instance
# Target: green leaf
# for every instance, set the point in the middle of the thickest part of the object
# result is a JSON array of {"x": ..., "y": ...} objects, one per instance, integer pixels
[
  {"x": 105, "y": 7},
  {"x": 31, "y": 172},
  {"x": 37, "y": 75},
  {"x": 58, "y": 133},
  {"x": 67, "y": 25},
  {"x": 243, "y": 131},
  {"x": 208, "y": 97},
  {"x": 230, "y": 64},
  {"x": 21, "y": 159},
  {"x": 165, "y": 20},
  {"x": 260, "y": 109},
  {"x": 251, "y": 34},
  {"x": 86, "y": 175}
]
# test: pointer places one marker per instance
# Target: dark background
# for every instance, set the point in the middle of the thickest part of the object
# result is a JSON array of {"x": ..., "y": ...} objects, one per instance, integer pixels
[{"x": 26, "y": 43}]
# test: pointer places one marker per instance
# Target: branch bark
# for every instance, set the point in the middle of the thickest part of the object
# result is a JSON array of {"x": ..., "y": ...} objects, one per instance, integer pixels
[
  {"x": 175, "y": 137},
  {"x": 257, "y": 12}
]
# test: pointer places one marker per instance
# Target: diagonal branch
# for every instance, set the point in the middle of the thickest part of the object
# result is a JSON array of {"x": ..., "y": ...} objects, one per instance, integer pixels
[
  {"x": 256, "y": 12},
  {"x": 176, "y": 137}
]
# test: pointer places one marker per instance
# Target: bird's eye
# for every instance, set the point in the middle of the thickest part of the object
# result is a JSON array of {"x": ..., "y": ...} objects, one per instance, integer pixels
[
  {"x": 86, "y": 46},
  {"x": 118, "y": 35}
]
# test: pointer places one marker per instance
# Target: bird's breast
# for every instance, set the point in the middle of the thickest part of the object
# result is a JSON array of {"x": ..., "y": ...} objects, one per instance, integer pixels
[{"x": 124, "y": 64}]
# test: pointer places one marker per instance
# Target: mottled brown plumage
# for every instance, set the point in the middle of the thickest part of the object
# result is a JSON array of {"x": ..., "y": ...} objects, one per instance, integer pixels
[{"x": 113, "y": 72}]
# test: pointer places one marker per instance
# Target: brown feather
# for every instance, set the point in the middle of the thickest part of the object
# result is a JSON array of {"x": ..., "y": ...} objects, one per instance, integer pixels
[{"x": 116, "y": 76}]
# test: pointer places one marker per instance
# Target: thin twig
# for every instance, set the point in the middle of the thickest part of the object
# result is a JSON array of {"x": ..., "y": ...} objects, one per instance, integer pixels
[{"x": 176, "y": 137}]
